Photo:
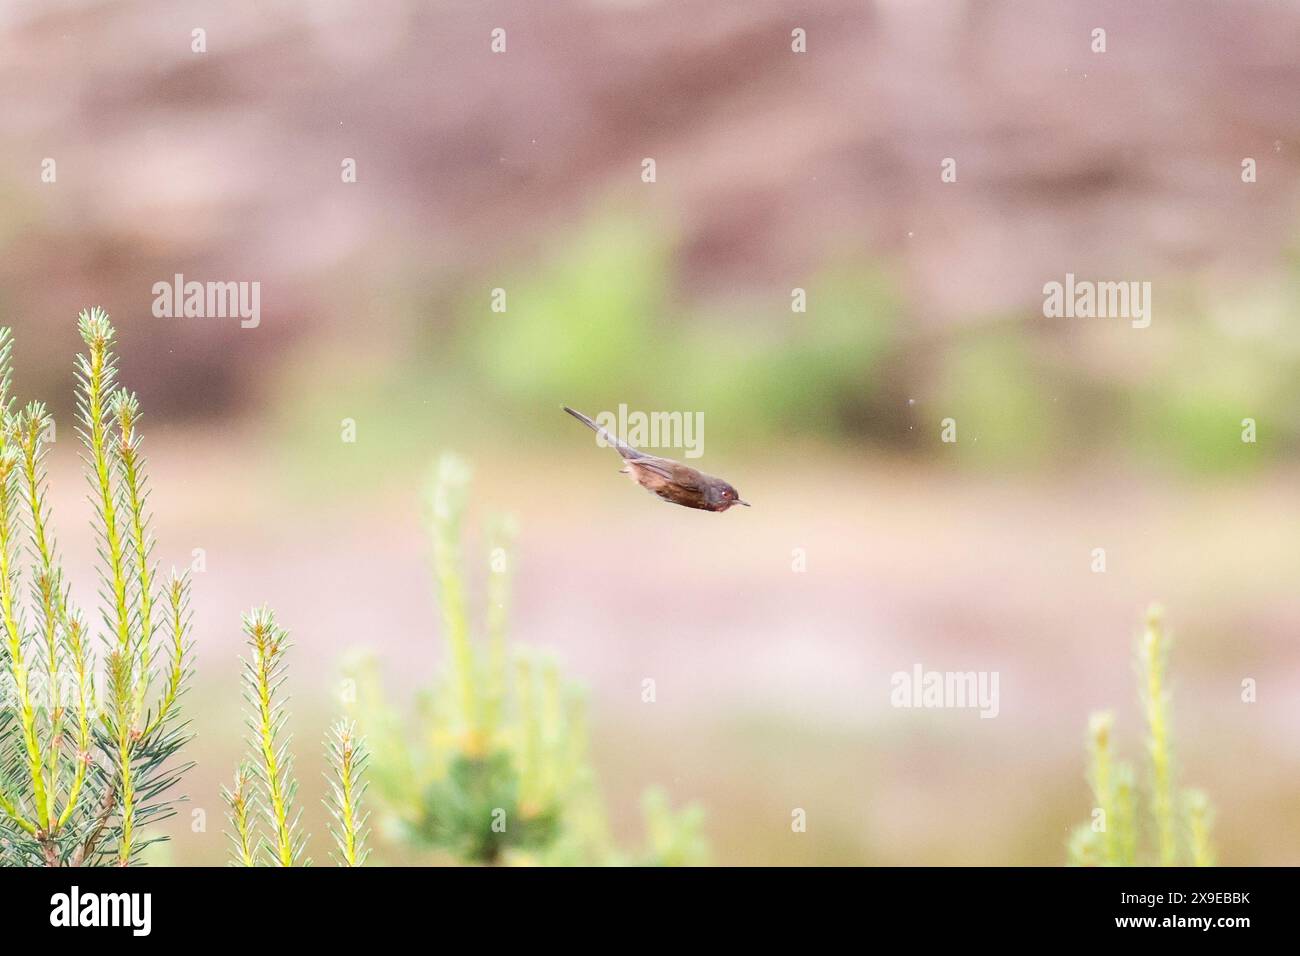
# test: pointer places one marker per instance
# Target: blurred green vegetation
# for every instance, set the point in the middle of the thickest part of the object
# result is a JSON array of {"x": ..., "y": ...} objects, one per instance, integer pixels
[
  {"x": 492, "y": 767},
  {"x": 594, "y": 324},
  {"x": 601, "y": 319},
  {"x": 1175, "y": 827}
]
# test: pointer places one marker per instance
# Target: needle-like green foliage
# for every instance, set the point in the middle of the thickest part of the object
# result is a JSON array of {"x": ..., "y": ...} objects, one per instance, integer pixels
[
  {"x": 264, "y": 821},
  {"x": 271, "y": 760},
  {"x": 347, "y": 760},
  {"x": 84, "y": 774},
  {"x": 241, "y": 801},
  {"x": 1179, "y": 825}
]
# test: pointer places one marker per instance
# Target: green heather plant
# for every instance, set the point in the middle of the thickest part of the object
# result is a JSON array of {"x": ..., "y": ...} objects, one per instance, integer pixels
[
  {"x": 264, "y": 789},
  {"x": 496, "y": 769},
  {"x": 1174, "y": 830},
  {"x": 85, "y": 769}
]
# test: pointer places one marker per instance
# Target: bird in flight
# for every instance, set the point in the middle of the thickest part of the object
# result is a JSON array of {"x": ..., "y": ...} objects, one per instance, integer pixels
[{"x": 670, "y": 480}]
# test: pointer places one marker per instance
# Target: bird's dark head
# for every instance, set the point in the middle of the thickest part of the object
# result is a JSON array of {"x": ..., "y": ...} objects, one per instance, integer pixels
[{"x": 724, "y": 496}]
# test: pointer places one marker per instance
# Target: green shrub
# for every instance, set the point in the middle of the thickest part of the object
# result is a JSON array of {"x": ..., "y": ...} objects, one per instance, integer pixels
[
  {"x": 264, "y": 822},
  {"x": 84, "y": 770},
  {"x": 495, "y": 767},
  {"x": 1175, "y": 828}
]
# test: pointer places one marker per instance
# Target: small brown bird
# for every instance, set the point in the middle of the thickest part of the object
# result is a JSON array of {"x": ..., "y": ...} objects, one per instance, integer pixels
[{"x": 670, "y": 480}]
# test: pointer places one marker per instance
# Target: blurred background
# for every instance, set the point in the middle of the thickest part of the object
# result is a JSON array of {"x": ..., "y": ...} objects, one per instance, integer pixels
[{"x": 774, "y": 171}]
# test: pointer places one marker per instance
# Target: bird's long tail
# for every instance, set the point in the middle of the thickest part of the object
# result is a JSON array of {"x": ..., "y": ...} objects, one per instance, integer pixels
[{"x": 623, "y": 448}]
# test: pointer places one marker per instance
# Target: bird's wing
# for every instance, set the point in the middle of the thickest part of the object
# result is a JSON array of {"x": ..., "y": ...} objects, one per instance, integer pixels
[{"x": 679, "y": 475}]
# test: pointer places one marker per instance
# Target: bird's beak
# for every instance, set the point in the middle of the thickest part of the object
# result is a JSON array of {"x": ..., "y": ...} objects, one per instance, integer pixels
[{"x": 745, "y": 503}]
